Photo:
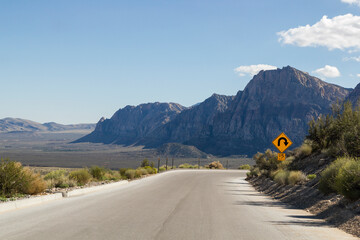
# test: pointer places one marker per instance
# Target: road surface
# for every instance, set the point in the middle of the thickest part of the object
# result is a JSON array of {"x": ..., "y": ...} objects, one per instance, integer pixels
[{"x": 188, "y": 204}]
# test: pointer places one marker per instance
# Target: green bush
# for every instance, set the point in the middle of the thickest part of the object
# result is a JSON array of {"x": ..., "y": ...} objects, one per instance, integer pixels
[
  {"x": 296, "y": 177},
  {"x": 14, "y": 179},
  {"x": 347, "y": 181},
  {"x": 339, "y": 133},
  {"x": 139, "y": 172},
  {"x": 98, "y": 172},
  {"x": 254, "y": 172},
  {"x": 186, "y": 165},
  {"x": 328, "y": 176},
  {"x": 130, "y": 174},
  {"x": 311, "y": 176},
  {"x": 150, "y": 170},
  {"x": 123, "y": 170},
  {"x": 145, "y": 163},
  {"x": 81, "y": 176},
  {"x": 57, "y": 178},
  {"x": 267, "y": 160},
  {"x": 112, "y": 175},
  {"x": 245, "y": 167}
]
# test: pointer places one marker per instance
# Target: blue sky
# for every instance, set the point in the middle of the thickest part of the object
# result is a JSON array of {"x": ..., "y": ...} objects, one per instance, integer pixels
[{"x": 76, "y": 61}]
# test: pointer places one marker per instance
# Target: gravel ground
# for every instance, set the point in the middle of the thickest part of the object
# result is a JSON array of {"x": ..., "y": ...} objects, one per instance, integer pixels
[{"x": 335, "y": 209}]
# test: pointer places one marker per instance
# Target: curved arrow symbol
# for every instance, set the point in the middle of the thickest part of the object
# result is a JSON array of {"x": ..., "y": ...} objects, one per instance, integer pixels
[{"x": 285, "y": 141}]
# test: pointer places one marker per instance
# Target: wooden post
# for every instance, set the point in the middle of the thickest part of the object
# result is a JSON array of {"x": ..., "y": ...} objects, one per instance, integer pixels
[
  {"x": 198, "y": 163},
  {"x": 172, "y": 163},
  {"x": 166, "y": 164},
  {"x": 227, "y": 164},
  {"x": 158, "y": 165}
]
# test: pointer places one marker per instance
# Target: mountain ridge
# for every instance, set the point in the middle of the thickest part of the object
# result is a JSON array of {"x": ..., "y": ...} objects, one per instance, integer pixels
[
  {"x": 274, "y": 101},
  {"x": 23, "y": 125}
]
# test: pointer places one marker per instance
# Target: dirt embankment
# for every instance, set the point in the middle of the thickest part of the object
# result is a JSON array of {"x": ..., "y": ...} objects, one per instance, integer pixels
[{"x": 335, "y": 209}]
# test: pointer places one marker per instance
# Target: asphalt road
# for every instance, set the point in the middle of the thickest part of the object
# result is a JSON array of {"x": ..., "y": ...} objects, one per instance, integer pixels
[{"x": 189, "y": 204}]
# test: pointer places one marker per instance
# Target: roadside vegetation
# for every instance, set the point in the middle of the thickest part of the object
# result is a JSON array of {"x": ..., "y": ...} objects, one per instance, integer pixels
[
  {"x": 336, "y": 136},
  {"x": 17, "y": 181}
]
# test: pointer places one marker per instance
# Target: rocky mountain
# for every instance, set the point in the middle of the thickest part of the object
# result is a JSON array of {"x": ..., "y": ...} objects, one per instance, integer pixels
[
  {"x": 22, "y": 125},
  {"x": 190, "y": 123},
  {"x": 354, "y": 96},
  {"x": 274, "y": 101},
  {"x": 180, "y": 151},
  {"x": 132, "y": 123}
]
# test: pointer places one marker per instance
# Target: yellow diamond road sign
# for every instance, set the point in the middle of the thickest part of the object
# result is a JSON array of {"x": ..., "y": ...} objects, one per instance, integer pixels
[{"x": 282, "y": 142}]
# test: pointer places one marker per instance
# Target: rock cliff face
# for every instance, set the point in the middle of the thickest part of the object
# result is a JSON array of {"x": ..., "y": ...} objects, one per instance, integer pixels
[
  {"x": 274, "y": 101},
  {"x": 132, "y": 123},
  {"x": 354, "y": 96},
  {"x": 190, "y": 123}
]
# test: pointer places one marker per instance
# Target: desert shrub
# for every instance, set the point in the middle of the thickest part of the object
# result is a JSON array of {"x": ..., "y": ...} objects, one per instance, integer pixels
[
  {"x": 281, "y": 177},
  {"x": 123, "y": 170},
  {"x": 304, "y": 150},
  {"x": 14, "y": 178},
  {"x": 328, "y": 176},
  {"x": 140, "y": 172},
  {"x": 98, "y": 172},
  {"x": 162, "y": 169},
  {"x": 285, "y": 164},
  {"x": 145, "y": 163},
  {"x": 55, "y": 175},
  {"x": 130, "y": 173},
  {"x": 267, "y": 160},
  {"x": 245, "y": 167},
  {"x": 57, "y": 178},
  {"x": 311, "y": 176},
  {"x": 296, "y": 177},
  {"x": 150, "y": 170},
  {"x": 112, "y": 175},
  {"x": 81, "y": 177},
  {"x": 254, "y": 172},
  {"x": 34, "y": 182},
  {"x": 186, "y": 165},
  {"x": 216, "y": 165},
  {"x": 347, "y": 181}
]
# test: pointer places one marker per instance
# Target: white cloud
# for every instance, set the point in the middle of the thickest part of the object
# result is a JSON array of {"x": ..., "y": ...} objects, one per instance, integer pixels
[
  {"x": 357, "y": 59},
  {"x": 327, "y": 72},
  {"x": 341, "y": 32},
  {"x": 252, "y": 69},
  {"x": 358, "y": 75},
  {"x": 357, "y": 2}
]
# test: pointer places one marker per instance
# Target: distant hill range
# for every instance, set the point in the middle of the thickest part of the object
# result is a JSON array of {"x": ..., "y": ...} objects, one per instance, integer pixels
[
  {"x": 274, "y": 101},
  {"x": 13, "y": 125},
  {"x": 179, "y": 150}
]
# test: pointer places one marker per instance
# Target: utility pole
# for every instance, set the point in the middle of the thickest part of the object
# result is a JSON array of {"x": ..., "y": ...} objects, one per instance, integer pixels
[
  {"x": 166, "y": 164},
  {"x": 158, "y": 165}
]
